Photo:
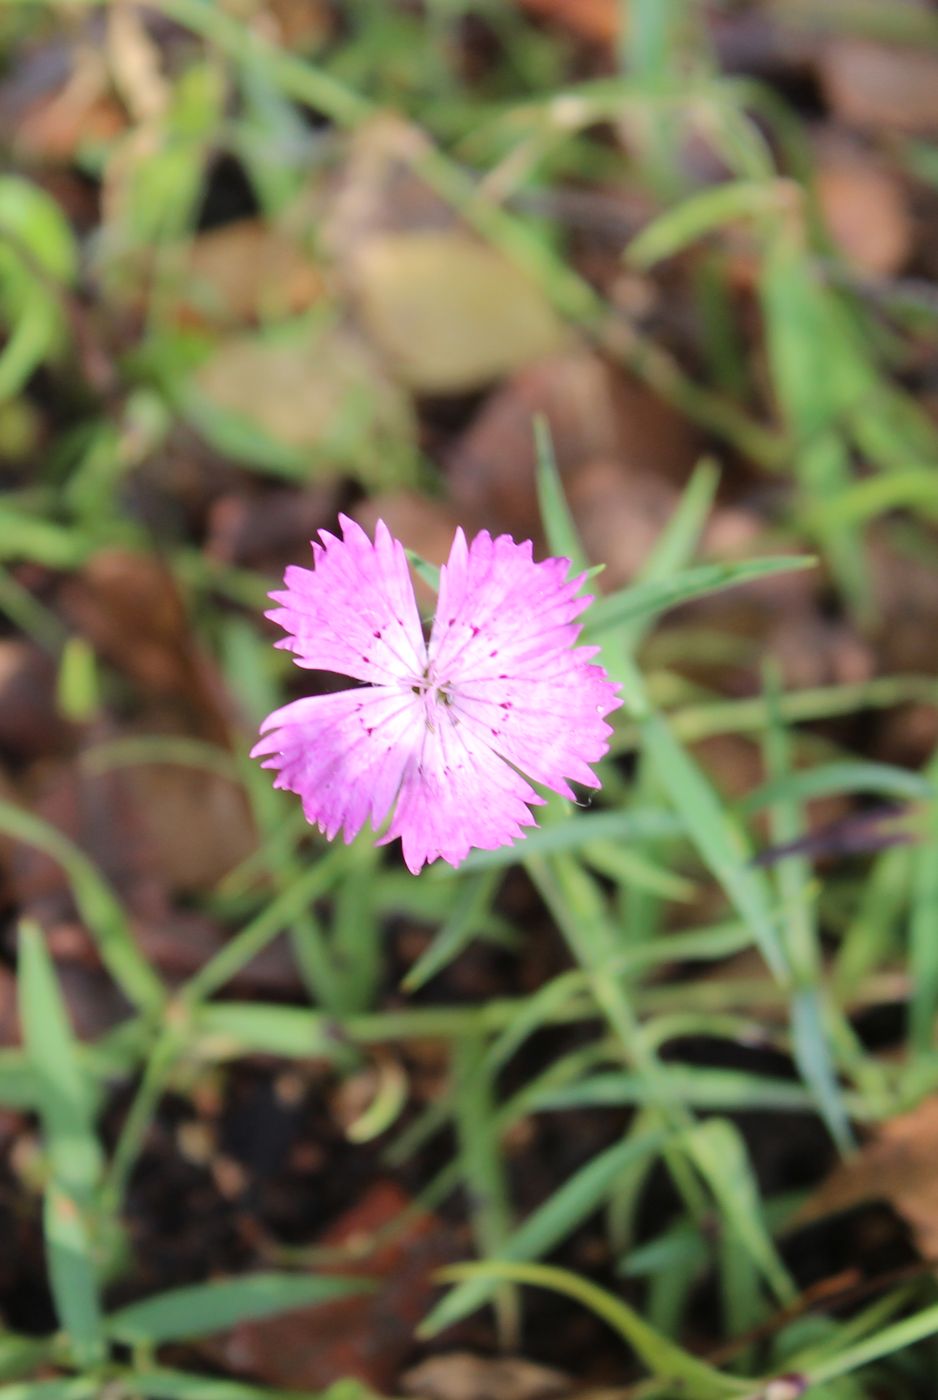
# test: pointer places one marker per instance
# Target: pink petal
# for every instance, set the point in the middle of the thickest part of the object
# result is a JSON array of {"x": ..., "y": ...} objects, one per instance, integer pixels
[
  {"x": 457, "y": 795},
  {"x": 345, "y": 754},
  {"x": 503, "y": 642},
  {"x": 355, "y": 612}
]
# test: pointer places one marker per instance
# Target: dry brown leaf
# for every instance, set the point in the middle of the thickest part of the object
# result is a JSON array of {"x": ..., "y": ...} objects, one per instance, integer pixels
[
  {"x": 881, "y": 87},
  {"x": 247, "y": 271},
  {"x": 594, "y": 415},
  {"x": 367, "y": 1337},
  {"x": 461, "y": 1376},
  {"x": 318, "y": 391},
  {"x": 865, "y": 210},
  {"x": 130, "y": 609},
  {"x": 597, "y": 21},
  {"x": 197, "y": 824},
  {"x": 449, "y": 313},
  {"x": 620, "y": 515},
  {"x": 897, "y": 1165}
]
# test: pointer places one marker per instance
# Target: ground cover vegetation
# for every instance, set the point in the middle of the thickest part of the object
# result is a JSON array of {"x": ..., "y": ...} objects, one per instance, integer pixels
[{"x": 645, "y": 1104}]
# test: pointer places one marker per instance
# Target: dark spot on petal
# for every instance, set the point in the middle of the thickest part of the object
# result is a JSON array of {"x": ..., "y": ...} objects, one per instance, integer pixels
[
  {"x": 415, "y": 690},
  {"x": 377, "y": 634},
  {"x": 495, "y": 732},
  {"x": 476, "y": 631},
  {"x": 492, "y": 653},
  {"x": 503, "y": 676},
  {"x": 505, "y": 705},
  {"x": 369, "y": 731},
  {"x": 452, "y": 622}
]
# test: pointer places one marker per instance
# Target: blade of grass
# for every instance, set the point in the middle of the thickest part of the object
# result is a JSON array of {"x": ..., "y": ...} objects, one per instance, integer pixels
[
  {"x": 75, "y": 1159},
  {"x": 642, "y": 601},
  {"x": 660, "y": 1355},
  {"x": 204, "y": 1308},
  {"x": 552, "y": 1222},
  {"x": 97, "y": 904}
]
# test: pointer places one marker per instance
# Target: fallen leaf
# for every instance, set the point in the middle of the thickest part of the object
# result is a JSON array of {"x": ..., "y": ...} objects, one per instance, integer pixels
[
  {"x": 881, "y": 87},
  {"x": 596, "y": 21},
  {"x": 130, "y": 609},
  {"x": 896, "y": 1165},
  {"x": 448, "y": 312},
  {"x": 461, "y": 1376},
  {"x": 30, "y": 722},
  {"x": 594, "y": 414},
  {"x": 620, "y": 515},
  {"x": 866, "y": 213},
  {"x": 246, "y": 271},
  {"x": 321, "y": 394},
  {"x": 366, "y": 1337}
]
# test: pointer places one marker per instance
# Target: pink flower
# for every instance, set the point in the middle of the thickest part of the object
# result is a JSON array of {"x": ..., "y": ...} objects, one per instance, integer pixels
[{"x": 440, "y": 729}]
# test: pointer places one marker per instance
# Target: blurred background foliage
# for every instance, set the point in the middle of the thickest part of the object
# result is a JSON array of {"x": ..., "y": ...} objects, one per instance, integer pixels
[{"x": 651, "y": 282}]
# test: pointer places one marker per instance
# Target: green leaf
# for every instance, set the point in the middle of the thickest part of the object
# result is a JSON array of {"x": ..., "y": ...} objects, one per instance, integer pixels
[{"x": 204, "y": 1308}]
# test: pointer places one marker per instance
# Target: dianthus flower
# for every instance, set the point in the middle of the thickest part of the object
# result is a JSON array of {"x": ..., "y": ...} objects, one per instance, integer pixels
[{"x": 439, "y": 729}]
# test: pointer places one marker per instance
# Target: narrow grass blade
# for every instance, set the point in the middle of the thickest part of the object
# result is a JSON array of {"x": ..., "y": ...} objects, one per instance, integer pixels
[
  {"x": 792, "y": 876},
  {"x": 576, "y": 834},
  {"x": 482, "y": 1168},
  {"x": 677, "y": 543},
  {"x": 552, "y": 1222},
  {"x": 159, "y": 1384},
  {"x": 205, "y": 1308},
  {"x": 658, "y": 1353},
  {"x": 923, "y": 933},
  {"x": 831, "y": 779},
  {"x": 472, "y": 902},
  {"x": 99, "y": 907},
  {"x": 563, "y": 539},
  {"x": 66, "y": 1112},
  {"x": 720, "y": 1154},
  {"x": 721, "y": 843},
  {"x": 645, "y": 600}
]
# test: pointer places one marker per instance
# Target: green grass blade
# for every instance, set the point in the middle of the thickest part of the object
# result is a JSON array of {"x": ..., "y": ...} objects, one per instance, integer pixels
[
  {"x": 720, "y": 841},
  {"x": 98, "y": 905},
  {"x": 563, "y": 538},
  {"x": 202, "y": 1309},
  {"x": 552, "y": 1222},
  {"x": 645, "y": 600},
  {"x": 472, "y": 902},
  {"x": 66, "y": 1113},
  {"x": 660, "y": 1355}
]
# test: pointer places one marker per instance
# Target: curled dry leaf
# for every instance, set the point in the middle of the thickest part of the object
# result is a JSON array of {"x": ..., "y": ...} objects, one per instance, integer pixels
[{"x": 896, "y": 1165}]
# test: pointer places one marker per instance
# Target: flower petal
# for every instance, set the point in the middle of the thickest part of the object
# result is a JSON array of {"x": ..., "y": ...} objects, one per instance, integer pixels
[
  {"x": 503, "y": 645},
  {"x": 457, "y": 795},
  {"x": 344, "y": 754},
  {"x": 355, "y": 612}
]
